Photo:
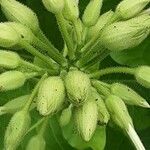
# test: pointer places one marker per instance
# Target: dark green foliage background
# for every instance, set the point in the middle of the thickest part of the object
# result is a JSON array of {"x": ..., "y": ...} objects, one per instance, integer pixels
[{"x": 116, "y": 140}]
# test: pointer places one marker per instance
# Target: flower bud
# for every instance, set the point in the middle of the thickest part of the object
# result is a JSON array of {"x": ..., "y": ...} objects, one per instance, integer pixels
[
  {"x": 14, "y": 105},
  {"x": 126, "y": 34},
  {"x": 11, "y": 80},
  {"x": 85, "y": 118},
  {"x": 8, "y": 36},
  {"x": 130, "y": 8},
  {"x": 54, "y": 6},
  {"x": 142, "y": 76},
  {"x": 71, "y": 10},
  {"x": 16, "y": 11},
  {"x": 65, "y": 116},
  {"x": 16, "y": 130},
  {"x": 128, "y": 95},
  {"x": 24, "y": 32},
  {"x": 37, "y": 142},
  {"x": 118, "y": 111},
  {"x": 9, "y": 60},
  {"x": 51, "y": 96},
  {"x": 103, "y": 114},
  {"x": 102, "y": 21},
  {"x": 78, "y": 85},
  {"x": 92, "y": 12}
]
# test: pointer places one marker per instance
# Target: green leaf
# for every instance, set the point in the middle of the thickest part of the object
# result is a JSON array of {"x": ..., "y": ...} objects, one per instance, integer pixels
[{"x": 96, "y": 143}]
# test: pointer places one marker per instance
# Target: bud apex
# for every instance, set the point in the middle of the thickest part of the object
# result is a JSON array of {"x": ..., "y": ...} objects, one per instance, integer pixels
[
  {"x": 130, "y": 8},
  {"x": 16, "y": 130},
  {"x": 126, "y": 34},
  {"x": 85, "y": 118},
  {"x": 92, "y": 12},
  {"x": 142, "y": 76},
  {"x": 103, "y": 114},
  {"x": 8, "y": 36},
  {"x": 118, "y": 111},
  {"x": 11, "y": 80},
  {"x": 102, "y": 21},
  {"x": 128, "y": 95},
  {"x": 71, "y": 10},
  {"x": 9, "y": 60},
  {"x": 78, "y": 85},
  {"x": 51, "y": 96},
  {"x": 15, "y": 11},
  {"x": 65, "y": 116},
  {"x": 54, "y": 6},
  {"x": 36, "y": 142}
]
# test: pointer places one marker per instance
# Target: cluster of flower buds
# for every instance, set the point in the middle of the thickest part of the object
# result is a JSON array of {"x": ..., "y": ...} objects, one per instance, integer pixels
[{"x": 65, "y": 84}]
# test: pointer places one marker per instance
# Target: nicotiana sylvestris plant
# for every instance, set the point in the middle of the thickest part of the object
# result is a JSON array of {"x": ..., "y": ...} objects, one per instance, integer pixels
[{"x": 65, "y": 84}]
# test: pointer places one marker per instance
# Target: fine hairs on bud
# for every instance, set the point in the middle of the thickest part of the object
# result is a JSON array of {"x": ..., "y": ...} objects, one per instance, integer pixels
[
  {"x": 54, "y": 6},
  {"x": 24, "y": 32},
  {"x": 11, "y": 80},
  {"x": 8, "y": 36},
  {"x": 71, "y": 10},
  {"x": 92, "y": 12},
  {"x": 130, "y": 8},
  {"x": 142, "y": 76},
  {"x": 85, "y": 118},
  {"x": 126, "y": 34},
  {"x": 128, "y": 95},
  {"x": 9, "y": 60},
  {"x": 16, "y": 11},
  {"x": 77, "y": 85},
  {"x": 17, "y": 127},
  {"x": 51, "y": 96}
]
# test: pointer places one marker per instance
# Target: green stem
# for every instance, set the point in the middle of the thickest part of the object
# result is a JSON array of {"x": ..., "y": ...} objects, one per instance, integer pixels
[
  {"x": 65, "y": 34},
  {"x": 32, "y": 75},
  {"x": 33, "y": 94},
  {"x": 44, "y": 126},
  {"x": 97, "y": 59},
  {"x": 52, "y": 51},
  {"x": 111, "y": 70},
  {"x": 78, "y": 34},
  {"x": 34, "y": 52},
  {"x": 86, "y": 57}
]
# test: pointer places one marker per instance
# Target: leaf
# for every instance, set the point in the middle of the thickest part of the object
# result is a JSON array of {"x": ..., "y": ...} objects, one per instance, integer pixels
[
  {"x": 96, "y": 143},
  {"x": 134, "y": 57}
]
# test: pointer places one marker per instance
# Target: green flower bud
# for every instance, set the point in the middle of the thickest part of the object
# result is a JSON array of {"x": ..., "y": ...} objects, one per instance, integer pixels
[
  {"x": 142, "y": 76},
  {"x": 37, "y": 142},
  {"x": 103, "y": 114},
  {"x": 54, "y": 6},
  {"x": 85, "y": 118},
  {"x": 9, "y": 60},
  {"x": 130, "y": 8},
  {"x": 102, "y": 21},
  {"x": 51, "y": 96},
  {"x": 8, "y": 36},
  {"x": 128, "y": 95},
  {"x": 16, "y": 11},
  {"x": 11, "y": 80},
  {"x": 14, "y": 105},
  {"x": 65, "y": 116},
  {"x": 16, "y": 130},
  {"x": 24, "y": 32},
  {"x": 118, "y": 111},
  {"x": 126, "y": 34},
  {"x": 71, "y": 10},
  {"x": 78, "y": 85},
  {"x": 92, "y": 12}
]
